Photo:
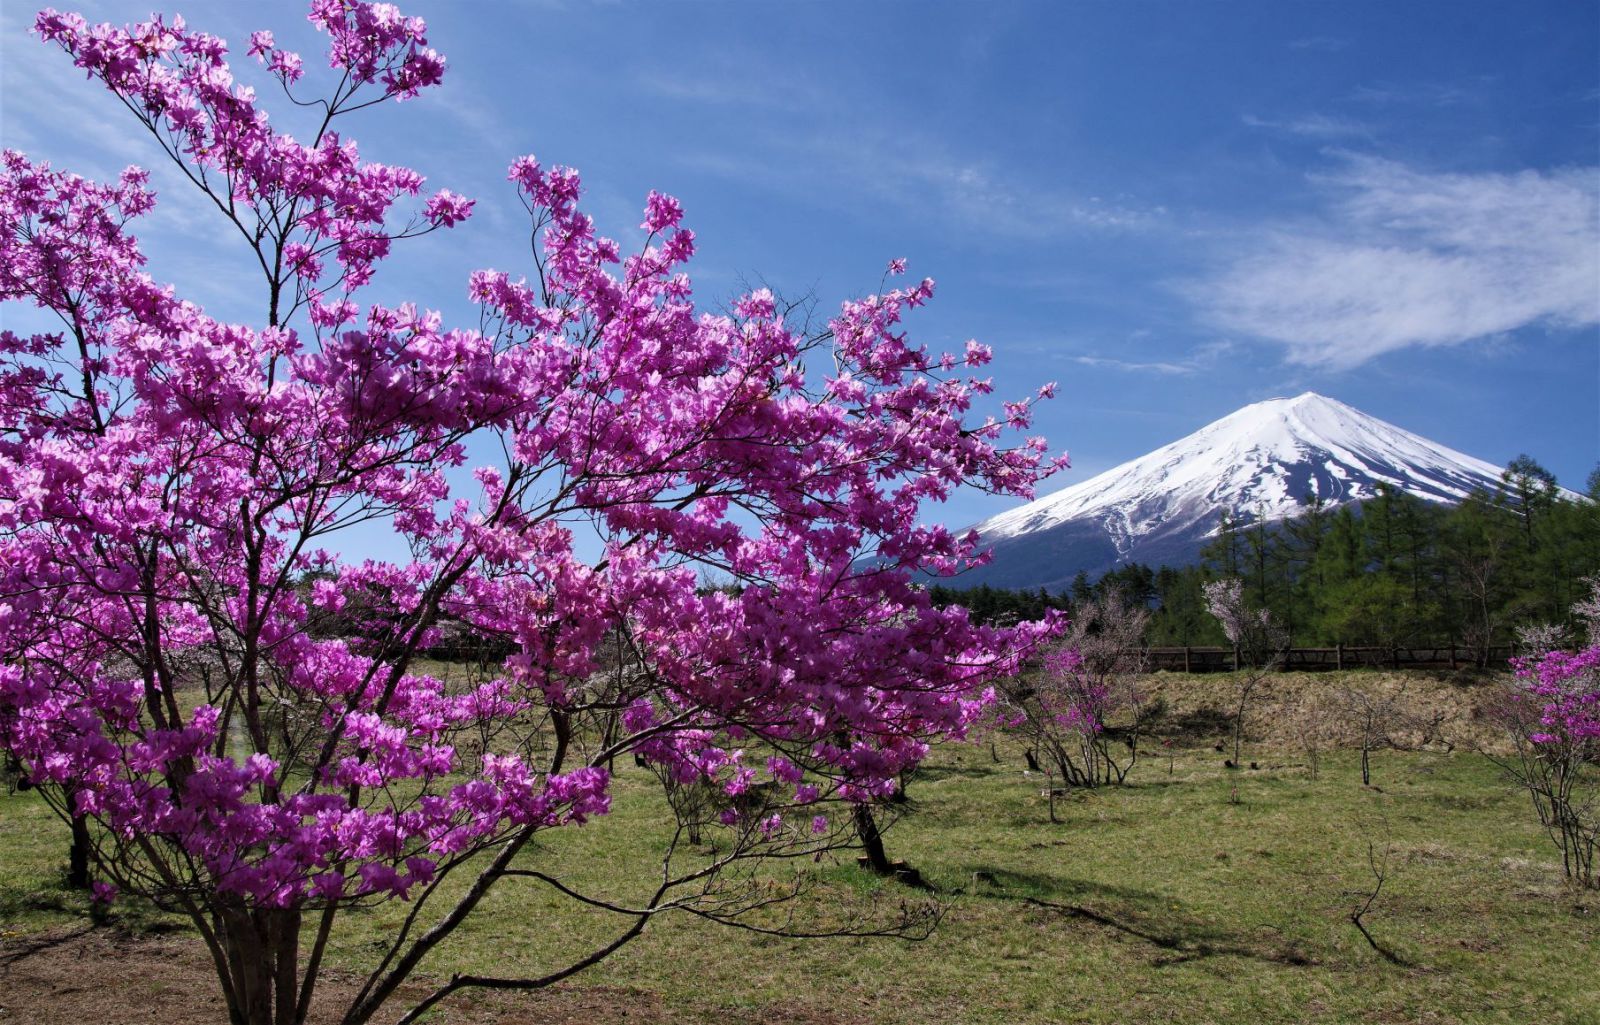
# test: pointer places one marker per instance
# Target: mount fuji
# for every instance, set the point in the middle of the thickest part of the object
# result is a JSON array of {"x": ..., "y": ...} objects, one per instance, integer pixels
[{"x": 1258, "y": 462}]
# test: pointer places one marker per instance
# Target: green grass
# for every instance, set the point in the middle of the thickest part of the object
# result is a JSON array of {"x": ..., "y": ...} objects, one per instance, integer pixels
[{"x": 1199, "y": 895}]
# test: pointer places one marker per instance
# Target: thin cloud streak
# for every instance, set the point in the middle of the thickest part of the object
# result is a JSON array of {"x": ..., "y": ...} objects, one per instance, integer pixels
[
  {"x": 735, "y": 83},
  {"x": 1425, "y": 94},
  {"x": 1135, "y": 366},
  {"x": 908, "y": 174},
  {"x": 1324, "y": 44},
  {"x": 1312, "y": 126}
]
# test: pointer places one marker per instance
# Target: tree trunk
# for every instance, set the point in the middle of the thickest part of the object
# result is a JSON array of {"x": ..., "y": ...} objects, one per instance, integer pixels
[
  {"x": 1238, "y": 727},
  {"x": 871, "y": 841},
  {"x": 81, "y": 846},
  {"x": 78, "y": 857},
  {"x": 263, "y": 948}
]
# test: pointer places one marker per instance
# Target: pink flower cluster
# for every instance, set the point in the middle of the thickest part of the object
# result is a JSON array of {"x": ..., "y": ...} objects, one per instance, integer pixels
[
  {"x": 1568, "y": 686},
  {"x": 1074, "y": 699},
  {"x": 310, "y": 201}
]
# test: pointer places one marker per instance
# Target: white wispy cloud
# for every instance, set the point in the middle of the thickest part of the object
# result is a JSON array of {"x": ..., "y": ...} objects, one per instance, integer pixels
[
  {"x": 1405, "y": 258},
  {"x": 1195, "y": 359},
  {"x": 924, "y": 174},
  {"x": 1311, "y": 126},
  {"x": 1135, "y": 366},
  {"x": 1325, "y": 44},
  {"x": 978, "y": 195},
  {"x": 734, "y": 81},
  {"x": 825, "y": 138},
  {"x": 1422, "y": 94}
]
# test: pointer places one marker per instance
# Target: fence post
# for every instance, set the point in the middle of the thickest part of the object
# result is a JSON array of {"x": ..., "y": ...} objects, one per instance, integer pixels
[
  {"x": 1338, "y": 656},
  {"x": 1186, "y": 658}
]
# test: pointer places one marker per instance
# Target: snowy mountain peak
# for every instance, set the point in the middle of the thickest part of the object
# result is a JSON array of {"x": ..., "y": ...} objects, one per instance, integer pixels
[{"x": 1260, "y": 461}]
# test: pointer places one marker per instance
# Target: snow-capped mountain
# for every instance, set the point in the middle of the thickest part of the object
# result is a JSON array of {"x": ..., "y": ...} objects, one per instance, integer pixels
[{"x": 1260, "y": 461}]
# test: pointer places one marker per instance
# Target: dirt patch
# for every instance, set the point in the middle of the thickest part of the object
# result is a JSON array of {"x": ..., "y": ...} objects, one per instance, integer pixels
[{"x": 82, "y": 976}]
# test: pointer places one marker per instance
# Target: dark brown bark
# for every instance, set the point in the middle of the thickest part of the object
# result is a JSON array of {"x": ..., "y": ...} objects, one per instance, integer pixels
[
  {"x": 263, "y": 947},
  {"x": 871, "y": 841},
  {"x": 78, "y": 856}
]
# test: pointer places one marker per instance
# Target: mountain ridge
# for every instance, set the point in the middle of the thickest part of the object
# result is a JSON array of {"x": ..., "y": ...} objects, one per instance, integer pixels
[{"x": 1259, "y": 461}]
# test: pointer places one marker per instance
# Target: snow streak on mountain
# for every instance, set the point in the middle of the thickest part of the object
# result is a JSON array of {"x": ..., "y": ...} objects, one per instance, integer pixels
[{"x": 1260, "y": 461}]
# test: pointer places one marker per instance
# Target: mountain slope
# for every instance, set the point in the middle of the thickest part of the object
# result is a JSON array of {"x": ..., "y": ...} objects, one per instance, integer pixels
[{"x": 1259, "y": 461}]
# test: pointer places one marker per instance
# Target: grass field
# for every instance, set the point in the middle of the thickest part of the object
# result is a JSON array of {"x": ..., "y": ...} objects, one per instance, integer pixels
[{"x": 1195, "y": 894}]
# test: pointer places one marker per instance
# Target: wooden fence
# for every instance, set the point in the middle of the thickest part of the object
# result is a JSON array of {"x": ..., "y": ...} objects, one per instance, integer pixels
[
  {"x": 1175, "y": 660},
  {"x": 1221, "y": 660}
]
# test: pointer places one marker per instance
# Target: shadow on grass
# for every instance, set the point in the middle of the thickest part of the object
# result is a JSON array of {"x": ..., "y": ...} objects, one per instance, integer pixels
[
  {"x": 1199, "y": 724},
  {"x": 1189, "y": 782},
  {"x": 935, "y": 773},
  {"x": 16, "y": 901},
  {"x": 1139, "y": 914},
  {"x": 1464, "y": 802},
  {"x": 69, "y": 910},
  {"x": 21, "y": 948}
]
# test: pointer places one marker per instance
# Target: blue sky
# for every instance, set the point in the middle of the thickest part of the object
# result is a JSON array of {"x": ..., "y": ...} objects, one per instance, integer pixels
[{"x": 1173, "y": 209}]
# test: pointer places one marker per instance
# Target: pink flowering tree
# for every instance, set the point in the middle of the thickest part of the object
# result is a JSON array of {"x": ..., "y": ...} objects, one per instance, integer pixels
[
  {"x": 172, "y": 488},
  {"x": 1084, "y": 711},
  {"x": 1552, "y": 718}
]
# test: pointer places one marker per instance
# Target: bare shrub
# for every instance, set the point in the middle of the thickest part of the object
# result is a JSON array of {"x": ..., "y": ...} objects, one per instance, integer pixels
[{"x": 1260, "y": 640}]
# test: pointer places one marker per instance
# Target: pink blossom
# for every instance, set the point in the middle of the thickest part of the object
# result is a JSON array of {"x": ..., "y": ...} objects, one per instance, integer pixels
[
  {"x": 661, "y": 212},
  {"x": 1567, "y": 685},
  {"x": 446, "y": 208}
]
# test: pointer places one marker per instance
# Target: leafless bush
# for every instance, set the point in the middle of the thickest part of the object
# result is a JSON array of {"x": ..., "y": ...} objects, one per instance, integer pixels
[
  {"x": 1588, "y": 609},
  {"x": 1312, "y": 730},
  {"x": 1380, "y": 850},
  {"x": 1538, "y": 638},
  {"x": 1260, "y": 640},
  {"x": 1374, "y": 720}
]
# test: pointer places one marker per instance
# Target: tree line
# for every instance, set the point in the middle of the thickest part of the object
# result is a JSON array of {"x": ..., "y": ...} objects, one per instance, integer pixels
[{"x": 1393, "y": 570}]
